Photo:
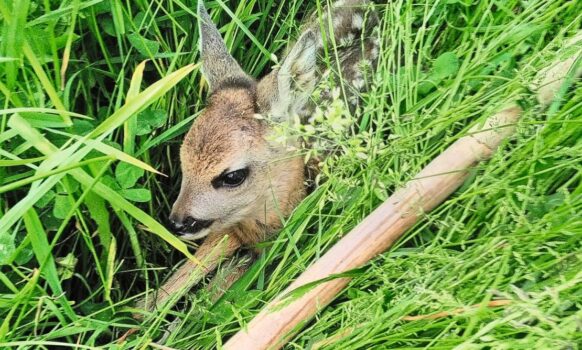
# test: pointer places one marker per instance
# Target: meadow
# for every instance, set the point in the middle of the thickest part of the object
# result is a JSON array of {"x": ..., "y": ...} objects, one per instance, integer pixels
[{"x": 96, "y": 96}]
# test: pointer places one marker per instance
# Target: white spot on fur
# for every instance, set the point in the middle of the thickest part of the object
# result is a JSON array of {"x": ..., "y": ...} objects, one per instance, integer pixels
[
  {"x": 365, "y": 64},
  {"x": 374, "y": 52},
  {"x": 358, "y": 83},
  {"x": 357, "y": 21},
  {"x": 347, "y": 40},
  {"x": 357, "y": 71},
  {"x": 339, "y": 3},
  {"x": 319, "y": 41},
  {"x": 337, "y": 22},
  {"x": 305, "y": 80},
  {"x": 240, "y": 163}
]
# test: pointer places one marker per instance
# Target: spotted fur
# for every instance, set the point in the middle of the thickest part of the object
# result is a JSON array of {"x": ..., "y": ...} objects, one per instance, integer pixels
[
  {"x": 233, "y": 132},
  {"x": 351, "y": 40}
]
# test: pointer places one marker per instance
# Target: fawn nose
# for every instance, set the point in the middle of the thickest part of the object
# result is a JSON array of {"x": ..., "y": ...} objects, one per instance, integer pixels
[{"x": 188, "y": 224}]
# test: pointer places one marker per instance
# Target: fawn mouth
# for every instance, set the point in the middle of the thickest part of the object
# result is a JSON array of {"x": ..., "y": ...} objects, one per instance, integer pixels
[
  {"x": 192, "y": 229},
  {"x": 189, "y": 236}
]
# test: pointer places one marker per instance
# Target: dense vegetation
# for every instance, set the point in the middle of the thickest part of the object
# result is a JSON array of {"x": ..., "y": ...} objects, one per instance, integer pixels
[{"x": 83, "y": 125}]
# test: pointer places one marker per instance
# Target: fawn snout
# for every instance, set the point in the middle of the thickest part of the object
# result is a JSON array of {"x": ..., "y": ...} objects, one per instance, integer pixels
[{"x": 186, "y": 226}]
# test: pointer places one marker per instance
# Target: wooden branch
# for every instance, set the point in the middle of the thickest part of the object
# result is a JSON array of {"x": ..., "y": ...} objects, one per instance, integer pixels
[
  {"x": 275, "y": 323},
  {"x": 280, "y": 319},
  {"x": 215, "y": 249}
]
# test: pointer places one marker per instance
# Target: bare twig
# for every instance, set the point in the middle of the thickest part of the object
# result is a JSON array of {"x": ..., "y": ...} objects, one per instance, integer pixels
[
  {"x": 215, "y": 249},
  {"x": 274, "y": 324}
]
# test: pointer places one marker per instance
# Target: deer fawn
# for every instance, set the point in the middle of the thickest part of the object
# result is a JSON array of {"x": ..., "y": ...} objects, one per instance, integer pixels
[{"x": 236, "y": 181}]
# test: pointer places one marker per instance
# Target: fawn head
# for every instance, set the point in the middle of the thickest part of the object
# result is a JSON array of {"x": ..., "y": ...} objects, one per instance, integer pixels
[{"x": 230, "y": 170}]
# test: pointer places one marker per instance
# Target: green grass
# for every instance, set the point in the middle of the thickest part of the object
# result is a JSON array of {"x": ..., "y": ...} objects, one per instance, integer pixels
[{"x": 83, "y": 125}]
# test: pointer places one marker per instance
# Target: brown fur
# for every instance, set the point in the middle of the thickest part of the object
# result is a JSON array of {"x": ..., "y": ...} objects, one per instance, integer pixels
[
  {"x": 226, "y": 132},
  {"x": 225, "y": 124},
  {"x": 228, "y": 136}
]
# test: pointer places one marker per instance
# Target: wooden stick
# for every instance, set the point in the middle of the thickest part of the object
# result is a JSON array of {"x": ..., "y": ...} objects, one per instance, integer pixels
[
  {"x": 272, "y": 326},
  {"x": 212, "y": 252},
  {"x": 278, "y": 321}
]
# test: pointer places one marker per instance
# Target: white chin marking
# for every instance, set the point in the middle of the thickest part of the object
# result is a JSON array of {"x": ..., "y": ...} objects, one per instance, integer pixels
[{"x": 195, "y": 236}]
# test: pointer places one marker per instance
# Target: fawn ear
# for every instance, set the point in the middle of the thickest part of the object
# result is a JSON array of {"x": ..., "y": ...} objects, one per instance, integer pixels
[
  {"x": 218, "y": 66},
  {"x": 285, "y": 91}
]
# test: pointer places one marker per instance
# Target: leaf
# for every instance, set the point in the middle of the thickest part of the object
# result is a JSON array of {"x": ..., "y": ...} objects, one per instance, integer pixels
[
  {"x": 150, "y": 119},
  {"x": 46, "y": 83},
  {"x": 118, "y": 17},
  {"x": 13, "y": 38},
  {"x": 21, "y": 297},
  {"x": 62, "y": 206},
  {"x": 61, "y": 41},
  {"x": 232, "y": 299},
  {"x": 136, "y": 79},
  {"x": 137, "y": 194},
  {"x": 98, "y": 6},
  {"x": 42, "y": 251},
  {"x": 304, "y": 289},
  {"x": 149, "y": 95},
  {"x": 66, "y": 156},
  {"x": 67, "y": 266},
  {"x": 444, "y": 66},
  {"x": 119, "y": 202},
  {"x": 130, "y": 126},
  {"x": 133, "y": 240},
  {"x": 139, "y": 19},
  {"x": 99, "y": 311},
  {"x": 45, "y": 200},
  {"x": 127, "y": 175},
  {"x": 7, "y": 248},
  {"x": 523, "y": 31},
  {"x": 113, "y": 149},
  {"x": 82, "y": 127},
  {"x": 145, "y": 98},
  {"x": 24, "y": 251},
  {"x": 99, "y": 214},
  {"x": 147, "y": 48},
  {"x": 109, "y": 181},
  {"x": 108, "y": 26},
  {"x": 155, "y": 118},
  {"x": 110, "y": 268},
  {"x": 544, "y": 205}
]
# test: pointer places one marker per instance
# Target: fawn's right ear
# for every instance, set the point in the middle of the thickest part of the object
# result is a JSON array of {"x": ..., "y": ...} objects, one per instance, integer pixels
[
  {"x": 218, "y": 66},
  {"x": 285, "y": 91}
]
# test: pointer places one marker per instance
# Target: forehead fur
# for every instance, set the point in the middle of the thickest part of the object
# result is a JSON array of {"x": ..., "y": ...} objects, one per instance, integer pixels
[{"x": 224, "y": 130}]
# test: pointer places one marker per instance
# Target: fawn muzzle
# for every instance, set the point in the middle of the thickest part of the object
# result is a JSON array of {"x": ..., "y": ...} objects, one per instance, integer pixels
[{"x": 189, "y": 226}]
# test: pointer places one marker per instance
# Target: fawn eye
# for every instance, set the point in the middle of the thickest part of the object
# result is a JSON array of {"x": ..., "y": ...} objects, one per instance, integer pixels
[{"x": 231, "y": 179}]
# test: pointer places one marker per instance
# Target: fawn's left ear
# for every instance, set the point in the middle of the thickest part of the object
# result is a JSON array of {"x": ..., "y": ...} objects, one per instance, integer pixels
[
  {"x": 285, "y": 91},
  {"x": 218, "y": 66}
]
